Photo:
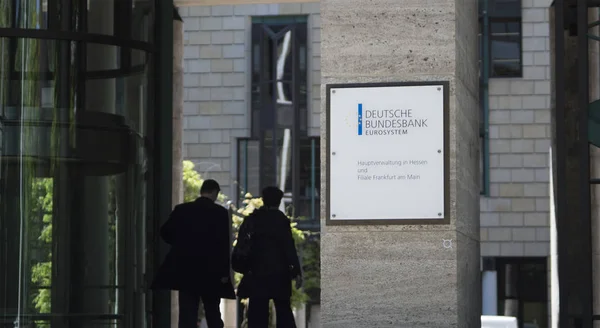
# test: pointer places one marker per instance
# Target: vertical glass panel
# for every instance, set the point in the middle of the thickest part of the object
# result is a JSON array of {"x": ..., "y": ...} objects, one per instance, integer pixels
[
  {"x": 285, "y": 106},
  {"x": 300, "y": 33},
  {"x": 283, "y": 56},
  {"x": 6, "y": 17},
  {"x": 535, "y": 314},
  {"x": 310, "y": 179},
  {"x": 28, "y": 14},
  {"x": 482, "y": 175},
  {"x": 276, "y": 168},
  {"x": 279, "y": 73},
  {"x": 72, "y": 162},
  {"x": 248, "y": 168},
  {"x": 278, "y": 151},
  {"x": 523, "y": 290}
]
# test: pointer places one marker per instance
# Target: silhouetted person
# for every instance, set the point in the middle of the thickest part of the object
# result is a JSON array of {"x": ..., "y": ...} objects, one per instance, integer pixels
[
  {"x": 273, "y": 263},
  {"x": 198, "y": 264}
]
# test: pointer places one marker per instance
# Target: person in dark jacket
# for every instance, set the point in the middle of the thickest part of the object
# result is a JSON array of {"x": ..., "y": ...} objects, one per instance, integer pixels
[
  {"x": 273, "y": 262},
  {"x": 198, "y": 264}
]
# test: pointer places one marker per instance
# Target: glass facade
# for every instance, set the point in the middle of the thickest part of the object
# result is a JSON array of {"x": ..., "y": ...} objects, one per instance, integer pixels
[
  {"x": 280, "y": 152},
  {"x": 306, "y": 203},
  {"x": 76, "y": 133}
]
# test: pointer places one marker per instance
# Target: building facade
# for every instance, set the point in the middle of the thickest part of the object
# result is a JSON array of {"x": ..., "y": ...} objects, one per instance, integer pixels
[{"x": 252, "y": 117}]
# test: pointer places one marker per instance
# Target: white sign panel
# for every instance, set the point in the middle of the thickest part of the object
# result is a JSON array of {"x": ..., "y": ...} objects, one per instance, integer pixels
[{"x": 386, "y": 152}]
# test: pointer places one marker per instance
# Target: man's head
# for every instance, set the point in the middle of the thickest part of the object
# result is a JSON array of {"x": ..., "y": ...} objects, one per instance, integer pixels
[
  {"x": 272, "y": 196},
  {"x": 210, "y": 189}
]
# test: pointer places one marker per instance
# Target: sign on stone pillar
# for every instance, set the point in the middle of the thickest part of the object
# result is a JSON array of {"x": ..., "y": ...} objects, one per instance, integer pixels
[
  {"x": 403, "y": 247},
  {"x": 388, "y": 149}
]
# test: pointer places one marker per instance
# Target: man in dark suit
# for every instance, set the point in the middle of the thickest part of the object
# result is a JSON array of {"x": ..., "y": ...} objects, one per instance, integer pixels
[
  {"x": 198, "y": 264},
  {"x": 274, "y": 263}
]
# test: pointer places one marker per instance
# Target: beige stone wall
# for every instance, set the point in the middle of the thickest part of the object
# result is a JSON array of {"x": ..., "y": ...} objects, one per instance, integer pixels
[
  {"x": 217, "y": 82},
  {"x": 402, "y": 276},
  {"x": 514, "y": 216}
]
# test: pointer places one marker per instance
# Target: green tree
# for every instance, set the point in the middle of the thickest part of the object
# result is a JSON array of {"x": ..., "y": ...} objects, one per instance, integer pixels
[{"x": 41, "y": 272}]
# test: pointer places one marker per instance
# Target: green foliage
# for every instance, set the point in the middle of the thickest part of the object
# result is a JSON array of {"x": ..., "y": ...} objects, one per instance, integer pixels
[
  {"x": 311, "y": 259},
  {"x": 192, "y": 181},
  {"x": 41, "y": 272}
]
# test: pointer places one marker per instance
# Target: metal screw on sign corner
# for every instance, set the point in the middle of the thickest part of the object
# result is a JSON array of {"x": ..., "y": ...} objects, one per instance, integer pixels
[
  {"x": 439, "y": 214},
  {"x": 333, "y": 153},
  {"x": 439, "y": 89},
  {"x": 447, "y": 243},
  {"x": 332, "y": 91},
  {"x": 439, "y": 151},
  {"x": 333, "y": 215}
]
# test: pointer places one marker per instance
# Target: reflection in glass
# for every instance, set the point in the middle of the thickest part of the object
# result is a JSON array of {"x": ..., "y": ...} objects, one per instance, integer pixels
[
  {"x": 505, "y": 48},
  {"x": 504, "y": 8},
  {"x": 279, "y": 74},
  {"x": 72, "y": 164},
  {"x": 248, "y": 168},
  {"x": 132, "y": 18},
  {"x": 481, "y": 163},
  {"x": 504, "y": 37},
  {"x": 523, "y": 290},
  {"x": 505, "y": 28},
  {"x": 506, "y": 68},
  {"x": 309, "y": 175}
]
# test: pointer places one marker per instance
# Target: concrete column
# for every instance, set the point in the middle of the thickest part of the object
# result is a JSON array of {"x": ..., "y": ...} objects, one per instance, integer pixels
[
  {"x": 489, "y": 293},
  {"x": 403, "y": 276},
  {"x": 177, "y": 136}
]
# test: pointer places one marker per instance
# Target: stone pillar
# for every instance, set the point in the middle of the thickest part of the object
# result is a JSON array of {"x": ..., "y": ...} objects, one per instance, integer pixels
[
  {"x": 490, "y": 292},
  {"x": 177, "y": 136},
  {"x": 401, "y": 275}
]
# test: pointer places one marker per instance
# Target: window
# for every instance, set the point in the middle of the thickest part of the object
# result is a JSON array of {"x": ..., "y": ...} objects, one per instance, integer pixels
[
  {"x": 503, "y": 36},
  {"x": 305, "y": 205},
  {"x": 280, "y": 151},
  {"x": 279, "y": 74},
  {"x": 499, "y": 56},
  {"x": 483, "y": 121},
  {"x": 523, "y": 290}
]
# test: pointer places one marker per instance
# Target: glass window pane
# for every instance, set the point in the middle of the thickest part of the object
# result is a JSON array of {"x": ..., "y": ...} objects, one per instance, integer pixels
[
  {"x": 283, "y": 57},
  {"x": 535, "y": 314},
  {"x": 503, "y": 28},
  {"x": 273, "y": 85},
  {"x": 482, "y": 176},
  {"x": 248, "y": 168},
  {"x": 71, "y": 186},
  {"x": 504, "y": 8},
  {"x": 505, "y": 47},
  {"x": 310, "y": 180},
  {"x": 506, "y": 68}
]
